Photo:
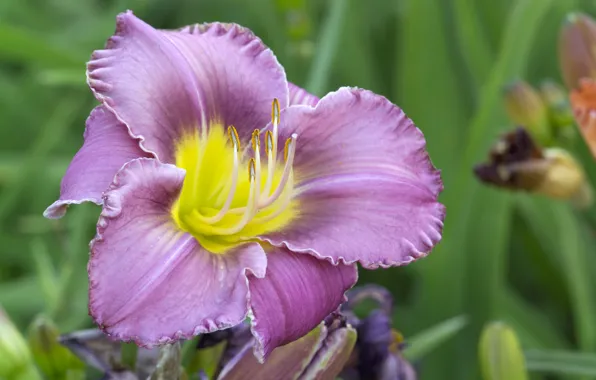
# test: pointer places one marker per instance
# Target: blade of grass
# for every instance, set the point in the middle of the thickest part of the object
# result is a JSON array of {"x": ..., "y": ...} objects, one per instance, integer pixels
[
  {"x": 23, "y": 46},
  {"x": 426, "y": 341},
  {"x": 555, "y": 224},
  {"x": 50, "y": 136},
  {"x": 473, "y": 42},
  {"x": 479, "y": 212},
  {"x": 425, "y": 85},
  {"x": 561, "y": 362},
  {"x": 534, "y": 328},
  {"x": 327, "y": 47}
]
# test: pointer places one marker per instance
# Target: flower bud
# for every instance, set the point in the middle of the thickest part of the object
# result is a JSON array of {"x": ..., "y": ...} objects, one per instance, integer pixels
[
  {"x": 577, "y": 49},
  {"x": 15, "y": 359},
  {"x": 526, "y": 108},
  {"x": 557, "y": 102},
  {"x": 517, "y": 163},
  {"x": 320, "y": 354},
  {"x": 501, "y": 357},
  {"x": 54, "y": 360},
  {"x": 583, "y": 101}
]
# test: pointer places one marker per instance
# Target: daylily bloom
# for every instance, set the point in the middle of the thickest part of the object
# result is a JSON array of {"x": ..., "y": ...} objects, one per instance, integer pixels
[{"x": 229, "y": 193}]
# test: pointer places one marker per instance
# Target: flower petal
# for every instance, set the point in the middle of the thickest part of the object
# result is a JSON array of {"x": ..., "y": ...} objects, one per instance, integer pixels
[
  {"x": 365, "y": 187},
  {"x": 161, "y": 83},
  {"x": 286, "y": 362},
  {"x": 299, "y": 96},
  {"x": 297, "y": 293},
  {"x": 106, "y": 148},
  {"x": 583, "y": 101},
  {"x": 149, "y": 281},
  {"x": 147, "y": 83},
  {"x": 238, "y": 76}
]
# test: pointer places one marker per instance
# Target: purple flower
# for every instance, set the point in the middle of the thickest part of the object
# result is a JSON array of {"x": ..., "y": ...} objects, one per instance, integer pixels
[{"x": 229, "y": 193}]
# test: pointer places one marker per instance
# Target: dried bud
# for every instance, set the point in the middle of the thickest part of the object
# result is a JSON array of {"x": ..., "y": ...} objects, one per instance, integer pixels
[
  {"x": 577, "y": 49},
  {"x": 517, "y": 163},
  {"x": 526, "y": 108},
  {"x": 15, "y": 358}
]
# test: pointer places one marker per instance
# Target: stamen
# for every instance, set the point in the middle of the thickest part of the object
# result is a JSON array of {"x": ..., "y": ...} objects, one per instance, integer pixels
[
  {"x": 279, "y": 208},
  {"x": 233, "y": 134},
  {"x": 268, "y": 142},
  {"x": 269, "y": 147},
  {"x": 249, "y": 210},
  {"x": 256, "y": 145},
  {"x": 275, "y": 112},
  {"x": 289, "y": 152}
]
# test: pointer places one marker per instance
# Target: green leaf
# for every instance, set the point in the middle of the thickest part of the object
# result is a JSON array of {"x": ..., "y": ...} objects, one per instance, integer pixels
[
  {"x": 561, "y": 362},
  {"x": 24, "y": 46},
  {"x": 425, "y": 342}
]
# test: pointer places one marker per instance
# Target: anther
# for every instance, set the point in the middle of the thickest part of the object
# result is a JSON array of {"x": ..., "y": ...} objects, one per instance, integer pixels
[
  {"x": 275, "y": 112},
  {"x": 252, "y": 169},
  {"x": 256, "y": 141},
  {"x": 233, "y": 135},
  {"x": 289, "y": 151},
  {"x": 268, "y": 142}
]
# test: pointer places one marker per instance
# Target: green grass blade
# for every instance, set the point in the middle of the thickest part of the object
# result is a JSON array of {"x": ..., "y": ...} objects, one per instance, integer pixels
[
  {"x": 327, "y": 47},
  {"x": 427, "y": 341},
  {"x": 561, "y": 362},
  {"x": 473, "y": 42}
]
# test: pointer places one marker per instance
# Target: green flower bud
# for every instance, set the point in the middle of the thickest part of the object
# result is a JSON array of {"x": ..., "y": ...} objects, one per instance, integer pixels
[
  {"x": 526, "y": 108},
  {"x": 53, "y": 359},
  {"x": 557, "y": 101},
  {"x": 501, "y": 357},
  {"x": 15, "y": 359}
]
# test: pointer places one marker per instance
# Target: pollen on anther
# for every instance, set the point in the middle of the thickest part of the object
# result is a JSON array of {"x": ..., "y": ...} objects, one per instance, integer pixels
[
  {"x": 256, "y": 142},
  {"x": 287, "y": 148},
  {"x": 233, "y": 135},
  {"x": 268, "y": 142},
  {"x": 252, "y": 169},
  {"x": 275, "y": 112}
]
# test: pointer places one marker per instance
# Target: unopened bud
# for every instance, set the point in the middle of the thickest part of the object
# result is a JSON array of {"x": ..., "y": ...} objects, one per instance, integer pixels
[
  {"x": 583, "y": 101},
  {"x": 577, "y": 49},
  {"x": 526, "y": 108},
  {"x": 501, "y": 357},
  {"x": 15, "y": 358},
  {"x": 53, "y": 359},
  {"x": 557, "y": 102}
]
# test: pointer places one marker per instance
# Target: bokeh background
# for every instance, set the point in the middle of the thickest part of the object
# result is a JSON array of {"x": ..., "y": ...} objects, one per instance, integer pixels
[{"x": 506, "y": 256}]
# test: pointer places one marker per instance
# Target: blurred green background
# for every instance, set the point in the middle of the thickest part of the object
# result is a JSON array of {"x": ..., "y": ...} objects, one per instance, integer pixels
[{"x": 519, "y": 258}]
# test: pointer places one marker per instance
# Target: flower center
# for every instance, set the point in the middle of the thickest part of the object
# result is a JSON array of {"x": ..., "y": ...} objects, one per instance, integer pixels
[{"x": 229, "y": 196}]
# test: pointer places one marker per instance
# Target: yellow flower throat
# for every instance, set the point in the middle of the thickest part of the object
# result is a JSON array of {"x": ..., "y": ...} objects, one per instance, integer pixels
[{"x": 229, "y": 197}]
